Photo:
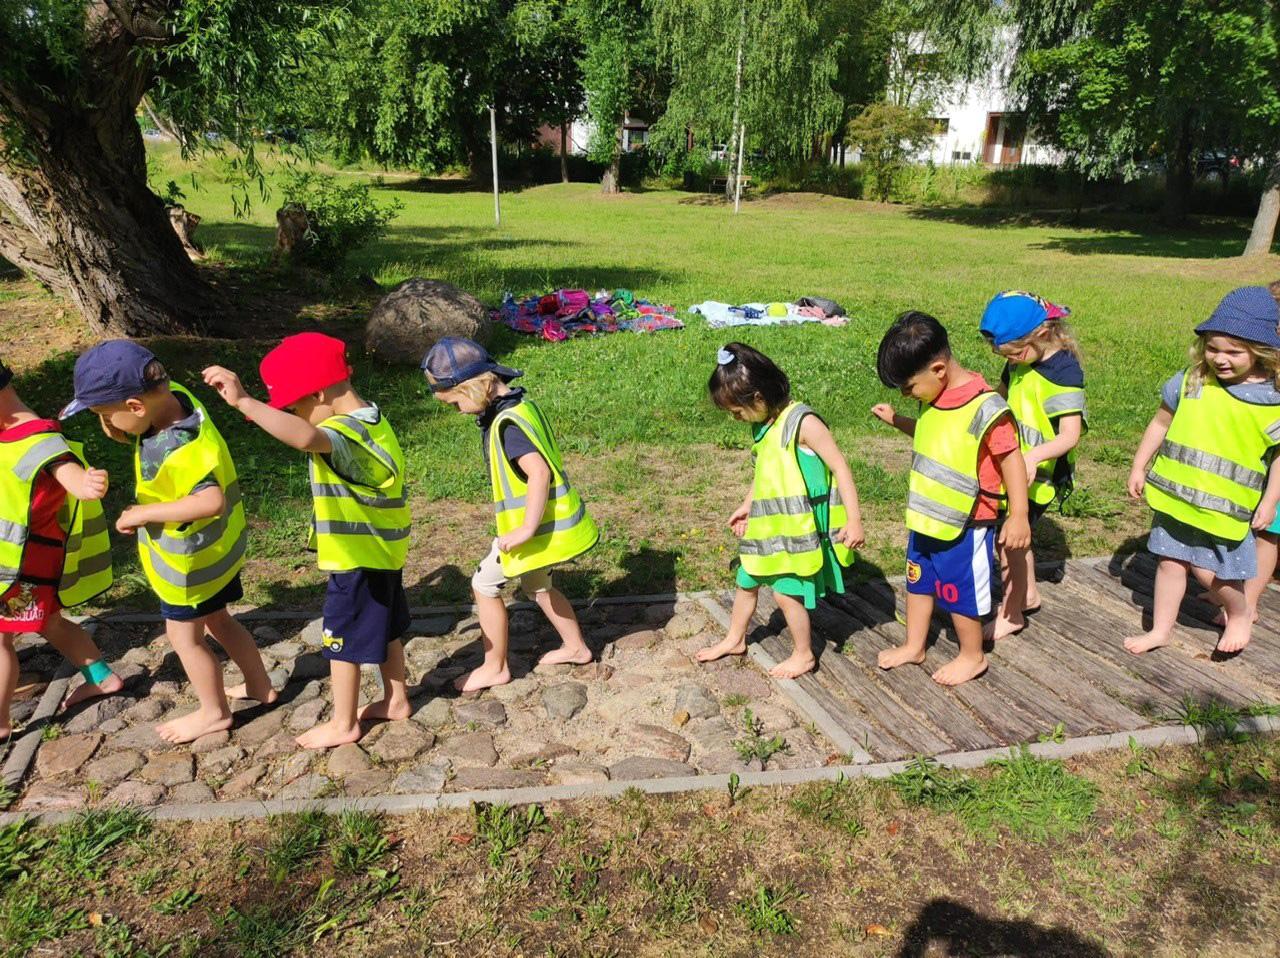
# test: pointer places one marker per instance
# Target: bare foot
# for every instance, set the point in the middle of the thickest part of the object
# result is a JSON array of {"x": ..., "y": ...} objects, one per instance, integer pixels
[
  {"x": 1002, "y": 628},
  {"x": 265, "y": 696},
  {"x": 108, "y": 686},
  {"x": 1236, "y": 635},
  {"x": 899, "y": 655},
  {"x": 191, "y": 726},
  {"x": 725, "y": 646},
  {"x": 392, "y": 711},
  {"x": 567, "y": 656},
  {"x": 485, "y": 677},
  {"x": 329, "y": 735},
  {"x": 1220, "y": 620},
  {"x": 960, "y": 670},
  {"x": 1137, "y": 644},
  {"x": 794, "y": 666}
]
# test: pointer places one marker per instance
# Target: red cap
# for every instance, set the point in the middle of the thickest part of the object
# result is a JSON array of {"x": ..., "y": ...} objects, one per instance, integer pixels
[{"x": 301, "y": 365}]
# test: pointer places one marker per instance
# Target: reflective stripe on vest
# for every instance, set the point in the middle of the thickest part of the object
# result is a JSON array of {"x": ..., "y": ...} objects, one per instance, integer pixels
[
  {"x": 188, "y": 563},
  {"x": 86, "y": 556},
  {"x": 356, "y": 526},
  {"x": 943, "y": 487},
  {"x": 1036, "y": 402},
  {"x": 1211, "y": 469},
  {"x": 564, "y": 531},
  {"x": 782, "y": 535}
]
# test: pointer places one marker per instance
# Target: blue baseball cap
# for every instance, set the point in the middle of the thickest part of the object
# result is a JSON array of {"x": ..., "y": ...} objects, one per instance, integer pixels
[
  {"x": 108, "y": 373},
  {"x": 1013, "y": 314},
  {"x": 1250, "y": 313},
  {"x": 454, "y": 360}
]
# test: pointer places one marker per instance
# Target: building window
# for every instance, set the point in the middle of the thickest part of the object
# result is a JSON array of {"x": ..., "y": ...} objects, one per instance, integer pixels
[{"x": 961, "y": 156}]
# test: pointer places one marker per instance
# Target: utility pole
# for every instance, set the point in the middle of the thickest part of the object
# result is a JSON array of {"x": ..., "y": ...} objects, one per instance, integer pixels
[{"x": 493, "y": 150}]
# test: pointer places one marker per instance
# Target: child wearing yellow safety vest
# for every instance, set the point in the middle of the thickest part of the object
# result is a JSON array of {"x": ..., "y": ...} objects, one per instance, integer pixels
[
  {"x": 1044, "y": 386},
  {"x": 1206, "y": 465},
  {"x": 964, "y": 461},
  {"x": 54, "y": 549},
  {"x": 188, "y": 520},
  {"x": 541, "y": 520},
  {"x": 800, "y": 522},
  {"x": 360, "y": 528}
]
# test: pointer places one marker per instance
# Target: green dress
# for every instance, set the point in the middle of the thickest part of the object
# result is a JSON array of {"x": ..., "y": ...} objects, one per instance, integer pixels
[{"x": 830, "y": 578}]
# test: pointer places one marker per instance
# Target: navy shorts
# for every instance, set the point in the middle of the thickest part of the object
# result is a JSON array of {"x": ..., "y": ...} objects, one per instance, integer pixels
[
  {"x": 233, "y": 591},
  {"x": 364, "y": 610},
  {"x": 956, "y": 573}
]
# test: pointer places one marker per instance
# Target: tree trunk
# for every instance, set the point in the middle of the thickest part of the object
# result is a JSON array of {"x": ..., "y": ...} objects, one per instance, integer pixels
[
  {"x": 564, "y": 152},
  {"x": 1180, "y": 178},
  {"x": 612, "y": 181},
  {"x": 730, "y": 181},
  {"x": 1264, "y": 224}
]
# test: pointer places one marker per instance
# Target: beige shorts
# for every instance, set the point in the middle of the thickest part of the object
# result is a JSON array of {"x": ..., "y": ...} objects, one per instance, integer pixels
[{"x": 489, "y": 579}]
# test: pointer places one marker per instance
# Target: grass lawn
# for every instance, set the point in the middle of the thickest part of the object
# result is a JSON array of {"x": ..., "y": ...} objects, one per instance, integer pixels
[
  {"x": 1151, "y": 853},
  {"x": 659, "y": 466}
]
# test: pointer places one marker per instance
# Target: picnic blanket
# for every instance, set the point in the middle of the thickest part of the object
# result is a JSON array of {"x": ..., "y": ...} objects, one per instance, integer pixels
[
  {"x": 807, "y": 309},
  {"x": 562, "y": 313}
]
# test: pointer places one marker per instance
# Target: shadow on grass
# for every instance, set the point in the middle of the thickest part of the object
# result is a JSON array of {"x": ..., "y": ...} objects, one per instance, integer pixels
[
  {"x": 1114, "y": 234},
  {"x": 962, "y": 931}
]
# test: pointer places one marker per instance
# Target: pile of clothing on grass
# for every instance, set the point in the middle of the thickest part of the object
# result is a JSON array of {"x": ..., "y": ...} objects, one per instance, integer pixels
[
  {"x": 806, "y": 309},
  {"x": 566, "y": 312}
]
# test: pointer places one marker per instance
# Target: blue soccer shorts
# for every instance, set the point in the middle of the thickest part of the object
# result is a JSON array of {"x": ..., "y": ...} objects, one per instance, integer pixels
[{"x": 956, "y": 573}]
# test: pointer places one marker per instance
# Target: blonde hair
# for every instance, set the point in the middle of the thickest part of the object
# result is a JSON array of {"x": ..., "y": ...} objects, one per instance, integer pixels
[
  {"x": 1051, "y": 335},
  {"x": 1265, "y": 357},
  {"x": 478, "y": 389}
]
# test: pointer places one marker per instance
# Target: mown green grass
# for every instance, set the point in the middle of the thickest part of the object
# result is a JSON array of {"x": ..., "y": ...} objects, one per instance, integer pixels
[{"x": 654, "y": 458}]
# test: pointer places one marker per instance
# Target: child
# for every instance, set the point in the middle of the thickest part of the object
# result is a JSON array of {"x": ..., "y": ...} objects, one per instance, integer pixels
[
  {"x": 963, "y": 449},
  {"x": 541, "y": 520},
  {"x": 1044, "y": 385},
  {"x": 1210, "y": 484},
  {"x": 360, "y": 529},
  {"x": 188, "y": 519},
  {"x": 796, "y": 529},
  {"x": 54, "y": 549}
]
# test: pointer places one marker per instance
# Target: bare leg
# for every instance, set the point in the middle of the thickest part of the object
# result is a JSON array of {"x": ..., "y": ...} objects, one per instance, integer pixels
[
  {"x": 394, "y": 704},
  {"x": 78, "y": 648},
  {"x": 559, "y": 612},
  {"x": 1013, "y": 571},
  {"x": 204, "y": 672},
  {"x": 344, "y": 727},
  {"x": 1170, "y": 587},
  {"x": 735, "y": 640},
  {"x": 911, "y": 652},
  {"x": 1268, "y": 552},
  {"x": 492, "y": 612},
  {"x": 235, "y": 638},
  {"x": 801, "y": 659},
  {"x": 1239, "y": 628},
  {"x": 1032, "y": 601},
  {"x": 970, "y": 662},
  {"x": 8, "y": 682}
]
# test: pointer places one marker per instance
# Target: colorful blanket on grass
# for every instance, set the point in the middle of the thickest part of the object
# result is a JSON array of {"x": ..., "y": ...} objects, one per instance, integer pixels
[
  {"x": 566, "y": 312},
  {"x": 806, "y": 310}
]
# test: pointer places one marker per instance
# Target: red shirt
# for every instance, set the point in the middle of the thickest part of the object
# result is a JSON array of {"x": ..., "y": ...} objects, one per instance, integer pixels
[
  {"x": 42, "y": 559},
  {"x": 1000, "y": 440}
]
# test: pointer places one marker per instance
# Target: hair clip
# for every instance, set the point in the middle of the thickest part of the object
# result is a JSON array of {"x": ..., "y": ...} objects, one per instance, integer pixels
[{"x": 724, "y": 357}]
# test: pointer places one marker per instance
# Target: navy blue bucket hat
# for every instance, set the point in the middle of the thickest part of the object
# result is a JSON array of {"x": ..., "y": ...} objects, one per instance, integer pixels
[
  {"x": 454, "y": 360},
  {"x": 1250, "y": 313}
]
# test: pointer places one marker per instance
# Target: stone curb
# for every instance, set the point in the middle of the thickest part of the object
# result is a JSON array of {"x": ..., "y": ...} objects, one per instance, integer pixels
[{"x": 402, "y": 804}]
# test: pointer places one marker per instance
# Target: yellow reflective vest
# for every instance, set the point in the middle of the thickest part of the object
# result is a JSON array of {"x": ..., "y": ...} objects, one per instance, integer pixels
[
  {"x": 357, "y": 526},
  {"x": 1036, "y": 402},
  {"x": 188, "y": 563},
  {"x": 782, "y": 535},
  {"x": 943, "y": 487},
  {"x": 86, "y": 561},
  {"x": 565, "y": 530},
  {"x": 1212, "y": 466}
]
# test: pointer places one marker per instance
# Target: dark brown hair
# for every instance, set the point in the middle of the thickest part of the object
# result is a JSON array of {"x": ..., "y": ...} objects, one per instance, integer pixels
[
  {"x": 154, "y": 376},
  {"x": 747, "y": 379},
  {"x": 913, "y": 341}
]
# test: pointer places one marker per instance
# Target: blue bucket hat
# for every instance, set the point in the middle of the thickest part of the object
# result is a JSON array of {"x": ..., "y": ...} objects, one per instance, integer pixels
[
  {"x": 110, "y": 372},
  {"x": 454, "y": 360},
  {"x": 1011, "y": 315},
  {"x": 1250, "y": 313}
]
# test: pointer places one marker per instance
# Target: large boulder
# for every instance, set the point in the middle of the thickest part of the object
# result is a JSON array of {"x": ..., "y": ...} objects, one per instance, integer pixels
[{"x": 415, "y": 315}]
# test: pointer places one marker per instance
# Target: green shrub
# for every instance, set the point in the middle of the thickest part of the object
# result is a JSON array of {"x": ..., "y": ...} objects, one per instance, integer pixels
[{"x": 340, "y": 217}]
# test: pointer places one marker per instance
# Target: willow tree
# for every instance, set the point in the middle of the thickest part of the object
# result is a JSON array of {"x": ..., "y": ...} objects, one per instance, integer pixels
[
  {"x": 75, "y": 209},
  {"x": 761, "y": 68}
]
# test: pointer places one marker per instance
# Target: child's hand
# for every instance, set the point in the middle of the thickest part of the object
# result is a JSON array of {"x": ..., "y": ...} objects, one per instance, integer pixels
[
  {"x": 1137, "y": 481},
  {"x": 514, "y": 540},
  {"x": 1016, "y": 533},
  {"x": 1029, "y": 458},
  {"x": 738, "y": 521},
  {"x": 1263, "y": 516},
  {"x": 129, "y": 520},
  {"x": 226, "y": 383},
  {"x": 94, "y": 485},
  {"x": 884, "y": 412},
  {"x": 852, "y": 535}
]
